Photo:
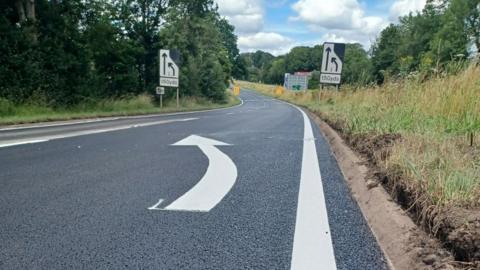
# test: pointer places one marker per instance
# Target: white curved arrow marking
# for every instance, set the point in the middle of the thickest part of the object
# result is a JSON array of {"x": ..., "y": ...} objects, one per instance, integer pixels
[{"x": 215, "y": 184}]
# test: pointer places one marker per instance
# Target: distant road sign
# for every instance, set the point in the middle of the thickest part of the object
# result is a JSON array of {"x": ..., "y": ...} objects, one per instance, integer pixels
[
  {"x": 296, "y": 82},
  {"x": 332, "y": 63},
  {"x": 160, "y": 90},
  {"x": 169, "y": 71}
]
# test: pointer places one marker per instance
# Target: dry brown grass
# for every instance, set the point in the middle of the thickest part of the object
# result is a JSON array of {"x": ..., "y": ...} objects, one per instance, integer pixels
[
  {"x": 436, "y": 120},
  {"x": 138, "y": 105}
]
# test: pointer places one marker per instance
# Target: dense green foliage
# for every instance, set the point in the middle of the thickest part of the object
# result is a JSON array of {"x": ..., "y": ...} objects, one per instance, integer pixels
[
  {"x": 444, "y": 34},
  {"x": 264, "y": 67},
  {"x": 61, "y": 53},
  {"x": 430, "y": 41}
]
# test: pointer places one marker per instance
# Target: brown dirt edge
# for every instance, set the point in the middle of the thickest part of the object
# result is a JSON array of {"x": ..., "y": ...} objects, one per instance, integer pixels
[{"x": 404, "y": 244}]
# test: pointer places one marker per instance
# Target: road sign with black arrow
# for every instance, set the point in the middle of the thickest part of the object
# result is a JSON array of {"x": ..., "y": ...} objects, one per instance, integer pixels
[
  {"x": 332, "y": 63},
  {"x": 169, "y": 70}
]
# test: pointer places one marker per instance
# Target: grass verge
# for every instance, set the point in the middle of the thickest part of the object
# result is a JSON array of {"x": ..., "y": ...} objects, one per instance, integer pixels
[
  {"x": 143, "y": 104},
  {"x": 423, "y": 137}
]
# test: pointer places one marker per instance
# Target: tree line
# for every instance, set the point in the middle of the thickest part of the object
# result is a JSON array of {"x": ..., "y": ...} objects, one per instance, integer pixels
[
  {"x": 443, "y": 34},
  {"x": 61, "y": 53}
]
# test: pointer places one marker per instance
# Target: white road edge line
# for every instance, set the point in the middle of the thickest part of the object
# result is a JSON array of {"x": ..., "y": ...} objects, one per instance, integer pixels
[
  {"x": 312, "y": 244},
  {"x": 88, "y": 132},
  {"x": 88, "y": 121}
]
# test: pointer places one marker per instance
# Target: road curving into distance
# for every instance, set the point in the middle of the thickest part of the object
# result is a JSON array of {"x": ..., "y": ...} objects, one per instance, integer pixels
[{"x": 250, "y": 187}]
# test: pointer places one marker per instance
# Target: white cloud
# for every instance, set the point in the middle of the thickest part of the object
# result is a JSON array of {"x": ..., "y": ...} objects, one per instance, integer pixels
[
  {"x": 246, "y": 23},
  {"x": 271, "y": 42},
  {"x": 404, "y": 7},
  {"x": 246, "y": 15},
  {"x": 336, "y": 38},
  {"x": 337, "y": 15},
  {"x": 341, "y": 19},
  {"x": 248, "y": 18},
  {"x": 318, "y": 20}
]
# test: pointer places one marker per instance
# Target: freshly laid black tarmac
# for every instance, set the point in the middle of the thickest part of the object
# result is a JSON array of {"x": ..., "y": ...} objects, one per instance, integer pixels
[{"x": 81, "y": 202}]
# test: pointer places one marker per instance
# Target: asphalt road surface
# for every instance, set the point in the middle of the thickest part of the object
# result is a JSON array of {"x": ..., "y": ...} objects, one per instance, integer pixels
[{"x": 250, "y": 187}]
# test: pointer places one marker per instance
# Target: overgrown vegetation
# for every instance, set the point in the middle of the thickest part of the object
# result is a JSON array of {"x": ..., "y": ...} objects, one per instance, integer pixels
[
  {"x": 143, "y": 104},
  {"x": 436, "y": 120},
  {"x": 56, "y": 55},
  {"x": 418, "y": 81}
]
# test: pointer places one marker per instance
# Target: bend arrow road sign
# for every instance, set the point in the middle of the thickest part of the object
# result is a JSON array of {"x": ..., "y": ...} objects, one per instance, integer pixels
[
  {"x": 332, "y": 62},
  {"x": 214, "y": 185},
  {"x": 169, "y": 70}
]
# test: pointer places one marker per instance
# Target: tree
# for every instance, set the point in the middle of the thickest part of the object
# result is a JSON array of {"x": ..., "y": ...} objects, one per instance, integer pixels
[
  {"x": 473, "y": 22},
  {"x": 62, "y": 53},
  {"x": 114, "y": 57},
  {"x": 451, "y": 39},
  {"x": 256, "y": 64},
  {"x": 229, "y": 39},
  {"x": 417, "y": 32},
  {"x": 357, "y": 68},
  {"x": 385, "y": 52},
  {"x": 240, "y": 70},
  {"x": 140, "y": 21},
  {"x": 192, "y": 28},
  {"x": 276, "y": 72},
  {"x": 300, "y": 59},
  {"x": 26, "y": 16}
]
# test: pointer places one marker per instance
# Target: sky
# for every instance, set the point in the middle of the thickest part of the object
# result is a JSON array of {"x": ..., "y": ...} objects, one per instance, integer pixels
[{"x": 276, "y": 26}]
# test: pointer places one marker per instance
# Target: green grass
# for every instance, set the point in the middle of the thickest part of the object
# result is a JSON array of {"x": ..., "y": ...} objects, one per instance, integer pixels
[
  {"x": 436, "y": 120},
  {"x": 143, "y": 104}
]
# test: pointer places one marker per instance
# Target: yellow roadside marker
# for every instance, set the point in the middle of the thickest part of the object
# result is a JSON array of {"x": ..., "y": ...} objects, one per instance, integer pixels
[
  {"x": 236, "y": 90},
  {"x": 279, "y": 90}
]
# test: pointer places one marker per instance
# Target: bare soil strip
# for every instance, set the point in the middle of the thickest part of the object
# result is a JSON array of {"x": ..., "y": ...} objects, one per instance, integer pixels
[{"x": 394, "y": 212}]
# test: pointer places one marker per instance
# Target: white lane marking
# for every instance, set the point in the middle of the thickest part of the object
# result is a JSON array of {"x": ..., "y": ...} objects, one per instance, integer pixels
[
  {"x": 22, "y": 142},
  {"x": 219, "y": 178},
  {"x": 155, "y": 207},
  {"x": 86, "y": 121},
  {"x": 230, "y": 113},
  {"x": 312, "y": 244},
  {"x": 87, "y": 132},
  {"x": 59, "y": 123}
]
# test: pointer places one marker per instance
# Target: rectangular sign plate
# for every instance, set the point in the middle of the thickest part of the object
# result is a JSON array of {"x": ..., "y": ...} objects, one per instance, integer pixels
[
  {"x": 168, "y": 82},
  {"x": 296, "y": 82},
  {"x": 332, "y": 63},
  {"x": 168, "y": 68},
  {"x": 330, "y": 78}
]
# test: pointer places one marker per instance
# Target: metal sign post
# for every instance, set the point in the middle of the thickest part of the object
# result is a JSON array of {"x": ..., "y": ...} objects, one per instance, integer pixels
[
  {"x": 169, "y": 70},
  {"x": 332, "y": 63},
  {"x": 160, "y": 91}
]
